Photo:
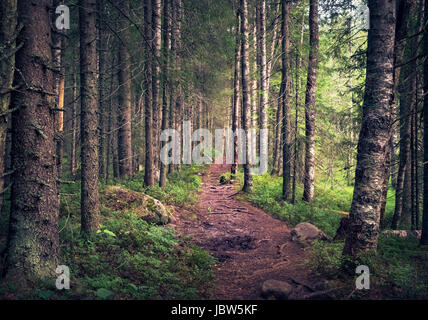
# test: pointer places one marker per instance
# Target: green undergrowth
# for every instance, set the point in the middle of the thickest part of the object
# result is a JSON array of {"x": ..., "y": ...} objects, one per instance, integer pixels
[
  {"x": 325, "y": 211},
  {"x": 182, "y": 186},
  {"x": 128, "y": 258},
  {"x": 399, "y": 270}
]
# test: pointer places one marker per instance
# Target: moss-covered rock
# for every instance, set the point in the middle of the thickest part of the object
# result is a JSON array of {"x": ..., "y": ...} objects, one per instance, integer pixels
[{"x": 144, "y": 206}]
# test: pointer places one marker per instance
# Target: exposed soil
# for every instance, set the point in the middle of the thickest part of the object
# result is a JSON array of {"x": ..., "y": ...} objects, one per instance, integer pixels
[{"x": 250, "y": 245}]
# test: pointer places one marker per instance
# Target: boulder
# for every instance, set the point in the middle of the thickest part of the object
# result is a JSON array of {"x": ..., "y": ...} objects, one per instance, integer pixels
[
  {"x": 306, "y": 233},
  {"x": 144, "y": 206},
  {"x": 276, "y": 289}
]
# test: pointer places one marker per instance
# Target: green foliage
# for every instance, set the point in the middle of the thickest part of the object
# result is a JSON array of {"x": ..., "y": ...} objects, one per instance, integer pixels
[
  {"x": 325, "y": 259},
  {"x": 131, "y": 259},
  {"x": 103, "y": 293},
  {"x": 226, "y": 178},
  {"x": 181, "y": 188},
  {"x": 401, "y": 267},
  {"x": 398, "y": 270},
  {"x": 267, "y": 195}
]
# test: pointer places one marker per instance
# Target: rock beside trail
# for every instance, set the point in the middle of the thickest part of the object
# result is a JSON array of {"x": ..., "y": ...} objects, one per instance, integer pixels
[
  {"x": 144, "y": 206},
  {"x": 276, "y": 289},
  {"x": 306, "y": 233}
]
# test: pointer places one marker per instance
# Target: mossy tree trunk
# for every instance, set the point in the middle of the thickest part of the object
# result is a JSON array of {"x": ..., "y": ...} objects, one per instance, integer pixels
[
  {"x": 33, "y": 236},
  {"x": 375, "y": 131}
]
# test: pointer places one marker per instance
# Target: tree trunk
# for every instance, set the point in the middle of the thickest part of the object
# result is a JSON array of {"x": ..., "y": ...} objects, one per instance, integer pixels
[
  {"x": 424, "y": 237},
  {"x": 404, "y": 111},
  {"x": 101, "y": 70},
  {"x": 412, "y": 163},
  {"x": 59, "y": 85},
  {"x": 73, "y": 156},
  {"x": 125, "y": 109},
  {"x": 273, "y": 45},
  {"x": 109, "y": 135},
  {"x": 89, "y": 116},
  {"x": 246, "y": 101},
  {"x": 285, "y": 101},
  {"x": 33, "y": 234},
  {"x": 278, "y": 134},
  {"x": 171, "y": 120},
  {"x": 375, "y": 131},
  {"x": 178, "y": 110},
  {"x": 255, "y": 80},
  {"x": 236, "y": 94},
  {"x": 296, "y": 119},
  {"x": 416, "y": 156},
  {"x": 149, "y": 179},
  {"x": 308, "y": 193},
  {"x": 264, "y": 90},
  {"x": 156, "y": 51},
  {"x": 8, "y": 26},
  {"x": 165, "y": 111}
]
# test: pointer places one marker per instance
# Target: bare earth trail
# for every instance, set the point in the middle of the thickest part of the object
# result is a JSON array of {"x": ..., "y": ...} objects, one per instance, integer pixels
[{"x": 251, "y": 245}]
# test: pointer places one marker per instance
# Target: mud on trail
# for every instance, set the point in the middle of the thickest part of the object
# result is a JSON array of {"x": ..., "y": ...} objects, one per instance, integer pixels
[{"x": 251, "y": 246}]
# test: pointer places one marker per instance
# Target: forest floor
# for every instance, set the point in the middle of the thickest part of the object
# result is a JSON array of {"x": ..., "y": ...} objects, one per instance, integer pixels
[{"x": 251, "y": 246}]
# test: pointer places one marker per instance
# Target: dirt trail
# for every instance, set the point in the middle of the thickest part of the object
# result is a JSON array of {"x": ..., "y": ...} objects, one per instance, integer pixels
[{"x": 251, "y": 245}]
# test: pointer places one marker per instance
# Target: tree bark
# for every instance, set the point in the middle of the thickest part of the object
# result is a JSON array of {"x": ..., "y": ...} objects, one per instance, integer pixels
[
  {"x": 111, "y": 116},
  {"x": 89, "y": 116},
  {"x": 308, "y": 192},
  {"x": 285, "y": 101},
  {"x": 246, "y": 101},
  {"x": 375, "y": 131},
  {"x": 101, "y": 71},
  {"x": 236, "y": 94},
  {"x": 273, "y": 45},
  {"x": 171, "y": 119},
  {"x": 404, "y": 110},
  {"x": 59, "y": 86},
  {"x": 278, "y": 134},
  {"x": 178, "y": 110},
  {"x": 8, "y": 33},
  {"x": 296, "y": 119},
  {"x": 255, "y": 80},
  {"x": 165, "y": 111},
  {"x": 149, "y": 179},
  {"x": 33, "y": 235},
  {"x": 125, "y": 109},
  {"x": 424, "y": 237},
  {"x": 156, "y": 51},
  {"x": 73, "y": 156},
  {"x": 264, "y": 89}
]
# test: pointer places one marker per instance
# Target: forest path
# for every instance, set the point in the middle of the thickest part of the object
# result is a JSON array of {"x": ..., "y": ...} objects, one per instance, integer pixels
[{"x": 250, "y": 245}]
